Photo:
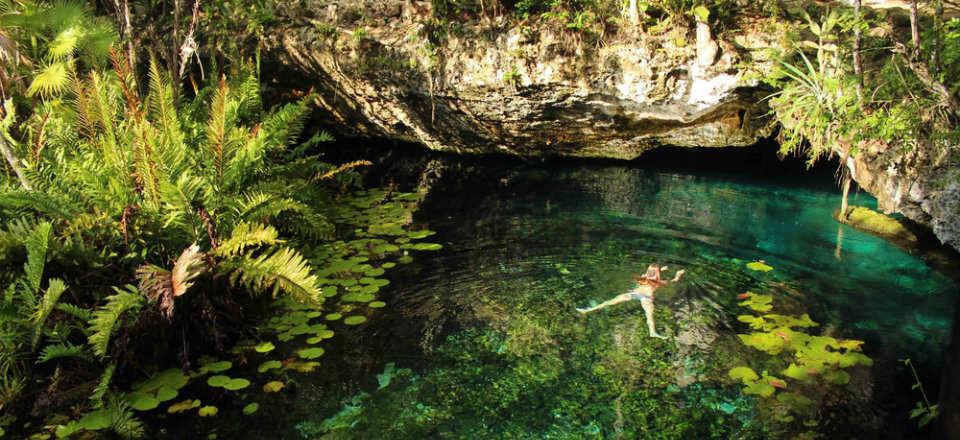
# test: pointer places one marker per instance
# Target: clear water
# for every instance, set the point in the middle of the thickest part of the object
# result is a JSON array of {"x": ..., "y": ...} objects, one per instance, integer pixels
[{"x": 494, "y": 348}]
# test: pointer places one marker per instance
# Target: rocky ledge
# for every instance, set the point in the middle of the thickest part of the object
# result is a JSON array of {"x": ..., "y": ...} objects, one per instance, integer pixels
[{"x": 525, "y": 88}]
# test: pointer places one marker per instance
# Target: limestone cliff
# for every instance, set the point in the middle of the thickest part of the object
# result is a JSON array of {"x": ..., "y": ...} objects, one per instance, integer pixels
[{"x": 527, "y": 88}]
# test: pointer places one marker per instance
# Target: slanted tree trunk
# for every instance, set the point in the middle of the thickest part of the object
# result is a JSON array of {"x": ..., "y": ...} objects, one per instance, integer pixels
[
  {"x": 914, "y": 30},
  {"x": 845, "y": 202}
]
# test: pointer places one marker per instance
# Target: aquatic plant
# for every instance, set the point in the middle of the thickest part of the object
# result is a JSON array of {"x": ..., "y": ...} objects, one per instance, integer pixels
[{"x": 808, "y": 365}]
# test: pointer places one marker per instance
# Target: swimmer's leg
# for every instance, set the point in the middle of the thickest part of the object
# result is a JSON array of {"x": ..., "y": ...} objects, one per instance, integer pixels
[
  {"x": 616, "y": 300},
  {"x": 647, "y": 304}
]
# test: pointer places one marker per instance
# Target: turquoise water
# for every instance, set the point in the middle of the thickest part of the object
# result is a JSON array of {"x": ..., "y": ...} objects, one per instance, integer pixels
[{"x": 481, "y": 339}]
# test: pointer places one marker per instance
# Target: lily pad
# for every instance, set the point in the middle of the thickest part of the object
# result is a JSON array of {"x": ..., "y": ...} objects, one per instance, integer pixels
[
  {"x": 416, "y": 235},
  {"x": 142, "y": 401},
  {"x": 759, "y": 266},
  {"x": 269, "y": 365},
  {"x": 743, "y": 374},
  {"x": 333, "y": 317},
  {"x": 273, "y": 387},
  {"x": 208, "y": 411},
  {"x": 216, "y": 367},
  {"x": 429, "y": 247},
  {"x": 218, "y": 381},
  {"x": 303, "y": 366},
  {"x": 166, "y": 394},
  {"x": 388, "y": 265},
  {"x": 251, "y": 408},
  {"x": 310, "y": 353},
  {"x": 354, "y": 320},
  {"x": 183, "y": 406},
  {"x": 377, "y": 304},
  {"x": 172, "y": 378},
  {"x": 265, "y": 347},
  {"x": 236, "y": 384}
]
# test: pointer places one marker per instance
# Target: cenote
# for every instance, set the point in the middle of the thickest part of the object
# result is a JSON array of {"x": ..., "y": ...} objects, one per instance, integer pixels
[{"x": 481, "y": 339}]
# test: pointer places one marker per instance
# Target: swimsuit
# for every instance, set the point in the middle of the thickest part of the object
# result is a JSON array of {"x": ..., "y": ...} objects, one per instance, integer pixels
[{"x": 636, "y": 294}]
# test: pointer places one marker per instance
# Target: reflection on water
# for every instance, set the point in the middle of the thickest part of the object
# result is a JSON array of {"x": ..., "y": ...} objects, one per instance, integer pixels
[{"x": 482, "y": 340}]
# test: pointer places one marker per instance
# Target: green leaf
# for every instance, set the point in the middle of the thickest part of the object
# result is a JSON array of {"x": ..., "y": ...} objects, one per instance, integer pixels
[
  {"x": 236, "y": 384},
  {"x": 183, "y": 406},
  {"x": 208, "y": 411},
  {"x": 354, "y": 320},
  {"x": 269, "y": 365},
  {"x": 701, "y": 13},
  {"x": 251, "y": 408},
  {"x": 265, "y": 347},
  {"x": 142, "y": 401},
  {"x": 310, "y": 353},
  {"x": 759, "y": 266},
  {"x": 743, "y": 374}
]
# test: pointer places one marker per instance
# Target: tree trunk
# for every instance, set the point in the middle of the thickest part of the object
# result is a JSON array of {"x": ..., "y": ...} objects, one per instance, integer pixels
[
  {"x": 14, "y": 162},
  {"x": 938, "y": 35},
  {"x": 857, "y": 61},
  {"x": 633, "y": 13},
  {"x": 914, "y": 30},
  {"x": 845, "y": 202}
]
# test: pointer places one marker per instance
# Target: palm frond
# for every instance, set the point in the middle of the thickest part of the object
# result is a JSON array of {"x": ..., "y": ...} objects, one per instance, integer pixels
[
  {"x": 52, "y": 79},
  {"x": 284, "y": 270}
]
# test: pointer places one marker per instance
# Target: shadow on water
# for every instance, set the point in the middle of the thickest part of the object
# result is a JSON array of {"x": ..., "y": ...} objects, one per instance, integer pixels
[{"x": 526, "y": 241}]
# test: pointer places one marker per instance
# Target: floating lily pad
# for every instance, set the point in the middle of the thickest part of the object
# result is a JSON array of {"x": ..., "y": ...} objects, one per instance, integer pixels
[
  {"x": 142, "y": 401},
  {"x": 416, "y": 235},
  {"x": 269, "y": 365},
  {"x": 314, "y": 340},
  {"x": 325, "y": 334},
  {"x": 172, "y": 378},
  {"x": 265, "y": 347},
  {"x": 375, "y": 272},
  {"x": 273, "y": 387},
  {"x": 354, "y": 320},
  {"x": 166, "y": 394},
  {"x": 303, "y": 366},
  {"x": 310, "y": 353},
  {"x": 388, "y": 265},
  {"x": 236, "y": 384},
  {"x": 208, "y": 411},
  {"x": 330, "y": 291},
  {"x": 333, "y": 317},
  {"x": 218, "y": 381},
  {"x": 759, "y": 266},
  {"x": 183, "y": 406},
  {"x": 377, "y": 304},
  {"x": 251, "y": 408},
  {"x": 743, "y": 374},
  {"x": 216, "y": 367},
  {"x": 428, "y": 246}
]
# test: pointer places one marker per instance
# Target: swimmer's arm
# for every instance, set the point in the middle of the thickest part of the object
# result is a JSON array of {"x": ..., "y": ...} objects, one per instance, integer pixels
[{"x": 678, "y": 275}]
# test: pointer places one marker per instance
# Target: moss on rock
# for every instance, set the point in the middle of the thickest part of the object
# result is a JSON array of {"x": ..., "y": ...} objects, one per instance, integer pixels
[{"x": 873, "y": 222}]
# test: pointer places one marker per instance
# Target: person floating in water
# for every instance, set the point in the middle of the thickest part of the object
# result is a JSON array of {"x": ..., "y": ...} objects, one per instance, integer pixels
[{"x": 646, "y": 286}]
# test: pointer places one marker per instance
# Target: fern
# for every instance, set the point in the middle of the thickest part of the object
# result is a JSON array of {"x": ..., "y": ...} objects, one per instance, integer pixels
[
  {"x": 247, "y": 235},
  {"x": 217, "y": 128},
  {"x": 75, "y": 311},
  {"x": 51, "y": 296},
  {"x": 103, "y": 386},
  {"x": 283, "y": 126},
  {"x": 285, "y": 270},
  {"x": 37, "y": 244},
  {"x": 107, "y": 319},
  {"x": 62, "y": 351}
]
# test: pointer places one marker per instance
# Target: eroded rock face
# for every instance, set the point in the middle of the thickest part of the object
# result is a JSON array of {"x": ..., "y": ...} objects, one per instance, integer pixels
[
  {"x": 525, "y": 89},
  {"x": 922, "y": 186}
]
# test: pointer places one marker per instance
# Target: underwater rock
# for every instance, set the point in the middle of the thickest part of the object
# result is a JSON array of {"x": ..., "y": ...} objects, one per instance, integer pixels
[{"x": 530, "y": 89}]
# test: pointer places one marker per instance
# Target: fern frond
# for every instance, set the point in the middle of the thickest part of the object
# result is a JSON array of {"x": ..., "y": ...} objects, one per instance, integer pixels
[
  {"x": 107, "y": 319},
  {"x": 52, "y": 79},
  {"x": 103, "y": 386},
  {"x": 217, "y": 127},
  {"x": 56, "y": 206},
  {"x": 62, "y": 351},
  {"x": 247, "y": 235},
  {"x": 284, "y": 125},
  {"x": 285, "y": 270},
  {"x": 75, "y": 311},
  {"x": 64, "y": 43},
  {"x": 98, "y": 38},
  {"x": 55, "y": 288},
  {"x": 342, "y": 168},
  {"x": 37, "y": 244},
  {"x": 162, "y": 106}
]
